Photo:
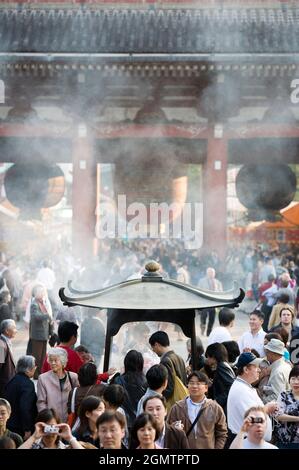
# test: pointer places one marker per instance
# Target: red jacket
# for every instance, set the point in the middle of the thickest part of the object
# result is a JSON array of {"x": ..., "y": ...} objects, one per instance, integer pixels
[
  {"x": 74, "y": 361},
  {"x": 262, "y": 288},
  {"x": 73, "y": 364}
]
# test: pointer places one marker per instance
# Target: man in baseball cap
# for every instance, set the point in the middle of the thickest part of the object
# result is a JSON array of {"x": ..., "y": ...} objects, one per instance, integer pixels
[
  {"x": 247, "y": 358},
  {"x": 243, "y": 395}
]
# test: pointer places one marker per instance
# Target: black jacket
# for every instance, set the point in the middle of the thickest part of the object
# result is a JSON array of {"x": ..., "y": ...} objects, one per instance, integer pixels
[
  {"x": 222, "y": 382},
  {"x": 21, "y": 395},
  {"x": 5, "y": 313},
  {"x": 135, "y": 386}
]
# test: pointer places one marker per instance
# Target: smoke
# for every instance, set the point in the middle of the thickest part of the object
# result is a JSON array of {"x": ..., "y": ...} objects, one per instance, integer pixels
[{"x": 228, "y": 91}]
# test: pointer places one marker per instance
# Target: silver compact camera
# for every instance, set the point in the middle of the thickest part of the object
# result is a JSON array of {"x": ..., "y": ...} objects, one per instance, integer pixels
[{"x": 51, "y": 429}]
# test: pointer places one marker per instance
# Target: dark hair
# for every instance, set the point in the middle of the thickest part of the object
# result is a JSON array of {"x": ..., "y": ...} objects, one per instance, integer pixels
[
  {"x": 7, "y": 443},
  {"x": 140, "y": 422},
  {"x": 88, "y": 403},
  {"x": 200, "y": 376},
  {"x": 4, "y": 295},
  {"x": 109, "y": 416},
  {"x": 159, "y": 337},
  {"x": 87, "y": 374},
  {"x": 81, "y": 349},
  {"x": 226, "y": 316},
  {"x": 217, "y": 351},
  {"x": 46, "y": 415},
  {"x": 199, "y": 352},
  {"x": 273, "y": 335},
  {"x": 294, "y": 372},
  {"x": 284, "y": 335},
  {"x": 254, "y": 351},
  {"x": 233, "y": 350},
  {"x": 156, "y": 376},
  {"x": 284, "y": 298},
  {"x": 133, "y": 361},
  {"x": 258, "y": 313},
  {"x": 199, "y": 348},
  {"x": 66, "y": 330},
  {"x": 160, "y": 397},
  {"x": 114, "y": 394}
]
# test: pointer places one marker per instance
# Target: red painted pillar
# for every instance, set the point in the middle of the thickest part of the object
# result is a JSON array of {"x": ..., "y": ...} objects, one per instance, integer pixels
[
  {"x": 84, "y": 194},
  {"x": 214, "y": 194}
]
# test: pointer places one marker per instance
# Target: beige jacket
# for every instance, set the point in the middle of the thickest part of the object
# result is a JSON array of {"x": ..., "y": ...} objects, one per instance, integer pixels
[
  {"x": 278, "y": 381},
  {"x": 49, "y": 394},
  {"x": 211, "y": 427}
]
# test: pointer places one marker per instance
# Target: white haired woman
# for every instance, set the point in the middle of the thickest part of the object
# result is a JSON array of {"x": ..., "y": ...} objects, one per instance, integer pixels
[{"x": 54, "y": 386}]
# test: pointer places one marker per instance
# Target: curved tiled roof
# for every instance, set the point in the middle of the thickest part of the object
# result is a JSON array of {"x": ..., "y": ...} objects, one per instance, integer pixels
[
  {"x": 154, "y": 293},
  {"x": 147, "y": 31}
]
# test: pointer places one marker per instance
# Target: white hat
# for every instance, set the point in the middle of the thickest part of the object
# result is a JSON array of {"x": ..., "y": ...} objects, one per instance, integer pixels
[{"x": 276, "y": 346}]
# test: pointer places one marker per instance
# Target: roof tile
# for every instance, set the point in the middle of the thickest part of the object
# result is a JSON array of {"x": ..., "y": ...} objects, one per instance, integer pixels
[{"x": 169, "y": 31}]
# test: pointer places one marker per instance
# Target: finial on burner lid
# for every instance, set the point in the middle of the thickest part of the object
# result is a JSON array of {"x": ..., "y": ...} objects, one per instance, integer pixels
[{"x": 152, "y": 266}]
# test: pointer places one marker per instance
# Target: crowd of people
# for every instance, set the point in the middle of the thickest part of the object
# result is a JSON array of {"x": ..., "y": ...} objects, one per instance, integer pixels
[
  {"x": 235, "y": 397},
  {"x": 233, "y": 394}
]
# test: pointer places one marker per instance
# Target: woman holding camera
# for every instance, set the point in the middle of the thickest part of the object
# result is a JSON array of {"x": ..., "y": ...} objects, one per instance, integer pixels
[{"x": 49, "y": 432}]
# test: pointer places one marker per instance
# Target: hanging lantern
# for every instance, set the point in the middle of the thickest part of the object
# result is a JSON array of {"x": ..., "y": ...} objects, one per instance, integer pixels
[
  {"x": 219, "y": 101},
  {"x": 32, "y": 186},
  {"x": 265, "y": 189},
  {"x": 151, "y": 173}
]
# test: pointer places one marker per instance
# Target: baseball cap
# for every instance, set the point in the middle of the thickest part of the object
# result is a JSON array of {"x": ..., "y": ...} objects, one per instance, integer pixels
[{"x": 247, "y": 358}]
